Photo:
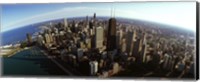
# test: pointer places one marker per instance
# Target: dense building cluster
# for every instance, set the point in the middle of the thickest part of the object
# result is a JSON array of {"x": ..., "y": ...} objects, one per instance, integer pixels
[{"x": 106, "y": 48}]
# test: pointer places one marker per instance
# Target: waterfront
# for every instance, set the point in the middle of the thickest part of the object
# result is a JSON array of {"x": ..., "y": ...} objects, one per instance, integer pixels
[{"x": 30, "y": 62}]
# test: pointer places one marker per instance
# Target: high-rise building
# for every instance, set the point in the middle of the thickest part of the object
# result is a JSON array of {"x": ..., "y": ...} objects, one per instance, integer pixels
[
  {"x": 144, "y": 38},
  {"x": 93, "y": 67},
  {"x": 123, "y": 45},
  {"x": 144, "y": 52},
  {"x": 119, "y": 39},
  {"x": 82, "y": 45},
  {"x": 50, "y": 36},
  {"x": 87, "y": 19},
  {"x": 65, "y": 23},
  {"x": 79, "y": 53},
  {"x": 111, "y": 37},
  {"x": 136, "y": 46},
  {"x": 144, "y": 48},
  {"x": 86, "y": 22},
  {"x": 47, "y": 38},
  {"x": 115, "y": 68},
  {"x": 94, "y": 19},
  {"x": 29, "y": 39},
  {"x": 99, "y": 37},
  {"x": 91, "y": 26},
  {"x": 40, "y": 40},
  {"x": 88, "y": 42},
  {"x": 73, "y": 28},
  {"x": 94, "y": 16},
  {"x": 129, "y": 40}
]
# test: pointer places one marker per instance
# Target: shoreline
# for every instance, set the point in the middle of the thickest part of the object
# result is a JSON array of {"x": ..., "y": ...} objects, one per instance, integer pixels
[{"x": 14, "y": 51}]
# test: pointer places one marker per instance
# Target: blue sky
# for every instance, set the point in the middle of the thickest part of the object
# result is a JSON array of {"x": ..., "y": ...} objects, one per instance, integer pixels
[{"x": 181, "y": 14}]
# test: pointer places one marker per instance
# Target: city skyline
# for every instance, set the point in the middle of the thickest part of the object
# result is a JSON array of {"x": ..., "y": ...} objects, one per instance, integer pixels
[
  {"x": 91, "y": 49},
  {"x": 153, "y": 11}
]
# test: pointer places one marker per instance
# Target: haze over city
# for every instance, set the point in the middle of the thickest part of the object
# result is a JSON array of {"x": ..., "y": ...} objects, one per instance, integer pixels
[
  {"x": 179, "y": 14},
  {"x": 100, "y": 40}
]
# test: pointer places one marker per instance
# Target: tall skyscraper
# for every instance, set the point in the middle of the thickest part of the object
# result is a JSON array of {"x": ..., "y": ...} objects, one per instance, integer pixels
[
  {"x": 50, "y": 36},
  {"x": 40, "y": 40},
  {"x": 91, "y": 28},
  {"x": 111, "y": 37},
  {"x": 99, "y": 37},
  {"x": 65, "y": 23},
  {"x": 47, "y": 38},
  {"x": 129, "y": 40},
  {"x": 94, "y": 16},
  {"x": 73, "y": 28},
  {"x": 29, "y": 39},
  {"x": 94, "y": 23},
  {"x": 136, "y": 46},
  {"x": 86, "y": 22},
  {"x": 144, "y": 52}
]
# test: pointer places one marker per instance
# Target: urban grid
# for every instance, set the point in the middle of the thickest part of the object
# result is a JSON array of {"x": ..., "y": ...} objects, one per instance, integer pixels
[{"x": 111, "y": 48}]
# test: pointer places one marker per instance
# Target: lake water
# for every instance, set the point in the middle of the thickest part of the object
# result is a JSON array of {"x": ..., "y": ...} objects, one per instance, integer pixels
[{"x": 30, "y": 62}]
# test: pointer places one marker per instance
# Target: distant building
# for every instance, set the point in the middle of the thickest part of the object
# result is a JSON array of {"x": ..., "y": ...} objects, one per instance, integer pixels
[
  {"x": 94, "y": 20},
  {"x": 73, "y": 28},
  {"x": 86, "y": 22},
  {"x": 29, "y": 38},
  {"x": 65, "y": 23},
  {"x": 94, "y": 16}
]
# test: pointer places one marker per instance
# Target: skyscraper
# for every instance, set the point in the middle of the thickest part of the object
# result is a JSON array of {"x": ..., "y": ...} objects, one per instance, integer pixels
[
  {"x": 50, "y": 36},
  {"x": 94, "y": 16},
  {"x": 65, "y": 23},
  {"x": 136, "y": 46},
  {"x": 86, "y": 22},
  {"x": 129, "y": 40},
  {"x": 47, "y": 38},
  {"x": 99, "y": 37},
  {"x": 111, "y": 37},
  {"x": 93, "y": 67},
  {"x": 91, "y": 28},
  {"x": 40, "y": 40},
  {"x": 73, "y": 28}
]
